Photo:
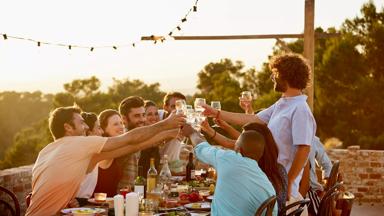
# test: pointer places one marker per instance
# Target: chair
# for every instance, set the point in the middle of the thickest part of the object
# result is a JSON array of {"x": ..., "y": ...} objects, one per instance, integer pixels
[
  {"x": 298, "y": 206},
  {"x": 8, "y": 207},
  {"x": 267, "y": 206},
  {"x": 333, "y": 175},
  {"x": 327, "y": 202}
]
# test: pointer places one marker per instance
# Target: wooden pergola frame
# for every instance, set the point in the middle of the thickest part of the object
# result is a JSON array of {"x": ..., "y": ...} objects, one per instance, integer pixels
[{"x": 308, "y": 35}]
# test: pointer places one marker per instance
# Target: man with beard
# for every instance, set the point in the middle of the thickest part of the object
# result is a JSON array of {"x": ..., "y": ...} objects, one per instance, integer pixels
[
  {"x": 173, "y": 148},
  {"x": 289, "y": 119},
  {"x": 132, "y": 112}
]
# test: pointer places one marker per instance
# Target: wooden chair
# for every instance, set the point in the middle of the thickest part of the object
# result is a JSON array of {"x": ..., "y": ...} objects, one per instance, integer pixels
[
  {"x": 298, "y": 206},
  {"x": 267, "y": 206},
  {"x": 333, "y": 175},
  {"x": 12, "y": 207},
  {"x": 327, "y": 203}
]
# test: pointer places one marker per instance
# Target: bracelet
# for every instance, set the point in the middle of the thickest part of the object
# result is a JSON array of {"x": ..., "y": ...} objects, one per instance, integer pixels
[
  {"x": 214, "y": 134},
  {"x": 218, "y": 114}
]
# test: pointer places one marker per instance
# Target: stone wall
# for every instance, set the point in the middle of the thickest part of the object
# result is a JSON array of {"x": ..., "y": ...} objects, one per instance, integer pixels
[
  {"x": 363, "y": 173},
  {"x": 17, "y": 180}
]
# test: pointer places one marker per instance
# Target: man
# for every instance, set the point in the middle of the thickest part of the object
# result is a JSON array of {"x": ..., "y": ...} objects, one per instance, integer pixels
[
  {"x": 310, "y": 185},
  {"x": 62, "y": 165},
  {"x": 289, "y": 119},
  {"x": 173, "y": 148},
  {"x": 241, "y": 185},
  {"x": 132, "y": 112}
]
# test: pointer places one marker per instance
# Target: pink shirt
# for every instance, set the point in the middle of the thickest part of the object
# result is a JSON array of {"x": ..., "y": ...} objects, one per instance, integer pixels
[{"x": 59, "y": 170}]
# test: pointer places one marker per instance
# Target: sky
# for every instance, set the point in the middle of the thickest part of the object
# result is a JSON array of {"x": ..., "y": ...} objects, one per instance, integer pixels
[{"x": 174, "y": 64}]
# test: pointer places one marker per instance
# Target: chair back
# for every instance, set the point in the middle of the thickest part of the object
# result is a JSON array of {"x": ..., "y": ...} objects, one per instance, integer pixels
[
  {"x": 296, "y": 208},
  {"x": 267, "y": 206},
  {"x": 327, "y": 203},
  {"x": 12, "y": 206},
  {"x": 333, "y": 175}
]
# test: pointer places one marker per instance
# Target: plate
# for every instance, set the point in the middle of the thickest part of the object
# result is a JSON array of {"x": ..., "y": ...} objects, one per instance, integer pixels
[
  {"x": 209, "y": 198},
  {"x": 109, "y": 200},
  {"x": 198, "y": 206},
  {"x": 91, "y": 210}
]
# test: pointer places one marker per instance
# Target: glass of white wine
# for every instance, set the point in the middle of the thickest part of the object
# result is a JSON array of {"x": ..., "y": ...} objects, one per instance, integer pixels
[
  {"x": 216, "y": 105},
  {"x": 246, "y": 95},
  {"x": 181, "y": 106},
  {"x": 199, "y": 102}
]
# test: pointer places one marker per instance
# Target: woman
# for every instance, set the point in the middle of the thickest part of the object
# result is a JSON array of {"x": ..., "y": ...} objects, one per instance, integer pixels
[
  {"x": 89, "y": 183},
  {"x": 152, "y": 116},
  {"x": 268, "y": 162},
  {"x": 110, "y": 171}
]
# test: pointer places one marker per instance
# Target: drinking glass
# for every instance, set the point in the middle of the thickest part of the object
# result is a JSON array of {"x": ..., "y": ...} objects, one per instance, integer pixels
[
  {"x": 246, "y": 95},
  {"x": 216, "y": 105},
  {"x": 198, "y": 104},
  {"x": 181, "y": 106}
]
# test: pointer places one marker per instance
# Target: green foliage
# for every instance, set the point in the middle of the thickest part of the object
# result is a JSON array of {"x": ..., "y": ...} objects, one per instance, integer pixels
[{"x": 18, "y": 110}]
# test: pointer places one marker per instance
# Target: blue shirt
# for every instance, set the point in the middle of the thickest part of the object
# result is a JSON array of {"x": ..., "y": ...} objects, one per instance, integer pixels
[
  {"x": 291, "y": 123},
  {"x": 318, "y": 156},
  {"x": 241, "y": 185}
]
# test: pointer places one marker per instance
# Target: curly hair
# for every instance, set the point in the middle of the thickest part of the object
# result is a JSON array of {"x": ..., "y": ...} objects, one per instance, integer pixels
[{"x": 292, "y": 68}]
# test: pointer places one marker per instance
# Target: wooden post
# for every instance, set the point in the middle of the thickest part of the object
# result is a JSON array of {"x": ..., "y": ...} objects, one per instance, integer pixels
[{"x": 309, "y": 45}]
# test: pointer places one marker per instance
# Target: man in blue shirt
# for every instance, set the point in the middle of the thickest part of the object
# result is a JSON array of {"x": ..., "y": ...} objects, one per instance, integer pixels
[{"x": 241, "y": 185}]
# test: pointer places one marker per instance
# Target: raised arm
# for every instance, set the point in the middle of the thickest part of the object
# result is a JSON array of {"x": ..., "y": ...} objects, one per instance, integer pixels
[
  {"x": 128, "y": 149},
  {"x": 141, "y": 134},
  {"x": 217, "y": 137},
  {"x": 233, "y": 133},
  {"x": 233, "y": 118}
]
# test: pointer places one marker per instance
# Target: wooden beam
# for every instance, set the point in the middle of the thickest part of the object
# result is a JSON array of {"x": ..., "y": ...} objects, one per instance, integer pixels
[
  {"x": 244, "y": 37},
  {"x": 309, "y": 45}
]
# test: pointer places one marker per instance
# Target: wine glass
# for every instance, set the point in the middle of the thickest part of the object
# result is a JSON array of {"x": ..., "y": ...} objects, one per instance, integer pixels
[
  {"x": 180, "y": 106},
  {"x": 198, "y": 104},
  {"x": 216, "y": 105},
  {"x": 246, "y": 96}
]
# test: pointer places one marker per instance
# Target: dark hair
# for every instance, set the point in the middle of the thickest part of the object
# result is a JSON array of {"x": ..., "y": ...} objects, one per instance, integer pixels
[
  {"x": 59, "y": 117},
  {"x": 292, "y": 68},
  {"x": 130, "y": 102},
  {"x": 268, "y": 162},
  {"x": 89, "y": 119},
  {"x": 104, "y": 116},
  {"x": 149, "y": 103},
  {"x": 170, "y": 95}
]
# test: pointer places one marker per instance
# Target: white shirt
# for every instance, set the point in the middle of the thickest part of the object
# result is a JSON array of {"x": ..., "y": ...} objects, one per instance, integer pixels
[
  {"x": 291, "y": 123},
  {"x": 88, "y": 184}
]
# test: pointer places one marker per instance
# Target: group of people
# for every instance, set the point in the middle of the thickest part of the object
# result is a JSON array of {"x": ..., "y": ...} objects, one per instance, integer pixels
[{"x": 102, "y": 153}]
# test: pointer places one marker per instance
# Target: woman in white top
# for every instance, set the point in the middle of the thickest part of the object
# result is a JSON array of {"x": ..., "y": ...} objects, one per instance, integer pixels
[{"x": 89, "y": 183}]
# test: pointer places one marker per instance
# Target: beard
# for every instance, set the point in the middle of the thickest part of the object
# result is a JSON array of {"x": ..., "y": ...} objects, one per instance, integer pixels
[
  {"x": 135, "y": 125},
  {"x": 280, "y": 86}
]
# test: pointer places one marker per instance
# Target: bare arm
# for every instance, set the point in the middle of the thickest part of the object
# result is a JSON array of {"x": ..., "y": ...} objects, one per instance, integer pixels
[
  {"x": 218, "y": 138},
  {"x": 141, "y": 134},
  {"x": 298, "y": 164},
  {"x": 304, "y": 183},
  {"x": 128, "y": 149},
  {"x": 232, "y": 118},
  {"x": 233, "y": 133}
]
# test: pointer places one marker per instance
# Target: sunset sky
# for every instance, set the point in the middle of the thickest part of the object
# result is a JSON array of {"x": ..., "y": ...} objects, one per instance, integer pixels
[{"x": 175, "y": 64}]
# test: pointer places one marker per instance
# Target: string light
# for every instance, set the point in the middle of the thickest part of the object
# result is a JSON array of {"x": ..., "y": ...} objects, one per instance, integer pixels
[{"x": 91, "y": 48}]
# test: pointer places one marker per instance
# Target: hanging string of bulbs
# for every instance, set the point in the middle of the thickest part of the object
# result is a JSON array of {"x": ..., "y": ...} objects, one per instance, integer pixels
[{"x": 40, "y": 43}]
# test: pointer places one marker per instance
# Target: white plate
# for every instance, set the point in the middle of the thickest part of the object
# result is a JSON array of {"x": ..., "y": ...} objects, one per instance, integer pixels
[
  {"x": 198, "y": 206},
  {"x": 94, "y": 210},
  {"x": 210, "y": 198}
]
